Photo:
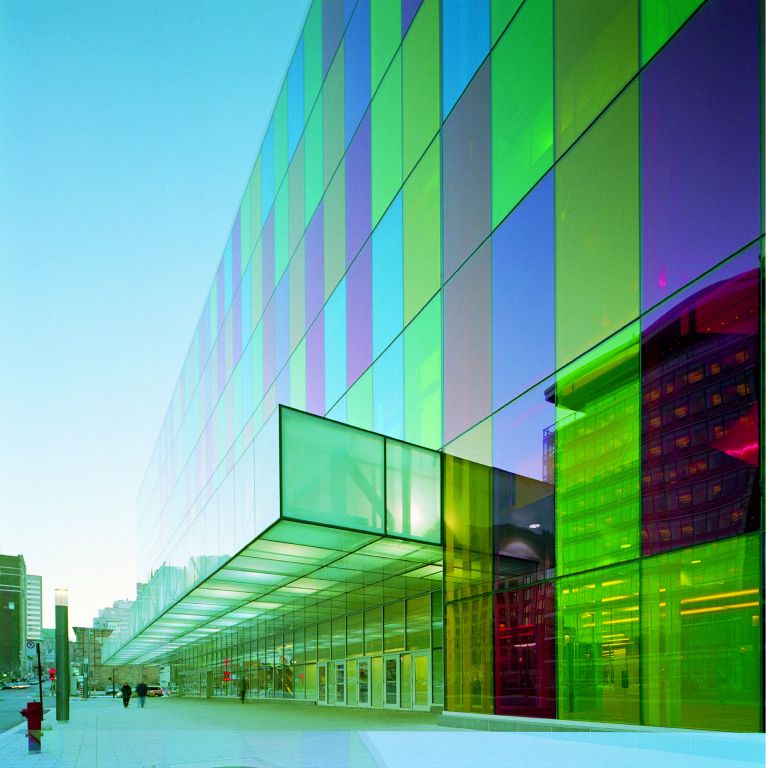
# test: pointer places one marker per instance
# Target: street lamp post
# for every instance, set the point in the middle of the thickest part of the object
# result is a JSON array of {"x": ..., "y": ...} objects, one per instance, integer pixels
[{"x": 62, "y": 654}]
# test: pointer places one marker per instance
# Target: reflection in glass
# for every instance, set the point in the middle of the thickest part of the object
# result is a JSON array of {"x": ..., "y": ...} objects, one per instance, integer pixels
[{"x": 700, "y": 416}]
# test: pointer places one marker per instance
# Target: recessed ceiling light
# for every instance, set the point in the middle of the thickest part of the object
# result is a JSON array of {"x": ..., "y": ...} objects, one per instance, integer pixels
[{"x": 534, "y": 525}]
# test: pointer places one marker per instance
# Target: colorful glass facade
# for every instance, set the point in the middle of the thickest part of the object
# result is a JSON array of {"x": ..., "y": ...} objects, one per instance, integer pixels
[{"x": 526, "y": 234}]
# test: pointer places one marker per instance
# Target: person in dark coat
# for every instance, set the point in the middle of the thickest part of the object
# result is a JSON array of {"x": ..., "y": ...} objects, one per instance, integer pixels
[
  {"x": 242, "y": 688},
  {"x": 127, "y": 692},
  {"x": 141, "y": 691}
]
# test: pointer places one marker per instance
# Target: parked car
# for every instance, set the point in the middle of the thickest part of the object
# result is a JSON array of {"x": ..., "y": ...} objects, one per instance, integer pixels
[{"x": 154, "y": 690}]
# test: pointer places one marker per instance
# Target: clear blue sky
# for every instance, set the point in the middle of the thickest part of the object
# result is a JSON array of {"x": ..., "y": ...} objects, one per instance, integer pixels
[{"x": 127, "y": 133}]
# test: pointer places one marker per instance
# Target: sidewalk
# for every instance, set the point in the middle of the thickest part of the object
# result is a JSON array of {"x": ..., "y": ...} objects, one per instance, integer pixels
[{"x": 225, "y": 734}]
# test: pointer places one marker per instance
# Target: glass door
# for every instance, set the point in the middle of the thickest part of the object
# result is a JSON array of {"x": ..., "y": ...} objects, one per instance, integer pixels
[
  {"x": 363, "y": 682},
  {"x": 405, "y": 681},
  {"x": 376, "y": 681},
  {"x": 391, "y": 681},
  {"x": 340, "y": 683},
  {"x": 421, "y": 682},
  {"x": 322, "y": 683}
]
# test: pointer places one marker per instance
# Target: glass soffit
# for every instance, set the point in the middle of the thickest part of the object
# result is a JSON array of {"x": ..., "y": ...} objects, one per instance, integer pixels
[{"x": 280, "y": 572}]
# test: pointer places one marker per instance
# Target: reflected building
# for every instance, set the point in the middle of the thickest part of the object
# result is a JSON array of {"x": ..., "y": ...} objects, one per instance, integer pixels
[{"x": 470, "y": 420}]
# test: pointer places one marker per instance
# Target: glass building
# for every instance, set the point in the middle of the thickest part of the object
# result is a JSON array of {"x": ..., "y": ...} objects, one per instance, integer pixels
[{"x": 471, "y": 417}]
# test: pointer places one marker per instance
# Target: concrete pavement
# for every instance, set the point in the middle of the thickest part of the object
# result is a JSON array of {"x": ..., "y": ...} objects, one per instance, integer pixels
[{"x": 224, "y": 734}]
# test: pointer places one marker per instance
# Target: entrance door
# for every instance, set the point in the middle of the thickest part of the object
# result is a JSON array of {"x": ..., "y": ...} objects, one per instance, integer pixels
[
  {"x": 363, "y": 678},
  {"x": 405, "y": 681},
  {"x": 391, "y": 681},
  {"x": 322, "y": 683},
  {"x": 421, "y": 681},
  {"x": 340, "y": 683}
]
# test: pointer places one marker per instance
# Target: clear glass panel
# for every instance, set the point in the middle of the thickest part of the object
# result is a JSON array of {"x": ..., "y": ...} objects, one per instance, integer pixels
[
  {"x": 331, "y": 473},
  {"x": 364, "y": 682},
  {"x": 340, "y": 683},
  {"x": 391, "y": 664}
]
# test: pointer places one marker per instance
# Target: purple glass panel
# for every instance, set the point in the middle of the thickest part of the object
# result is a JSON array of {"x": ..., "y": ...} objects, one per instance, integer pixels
[
  {"x": 269, "y": 343},
  {"x": 204, "y": 336},
  {"x": 348, "y": 9},
  {"x": 523, "y": 295},
  {"x": 409, "y": 9},
  {"x": 236, "y": 253},
  {"x": 237, "y": 327},
  {"x": 220, "y": 381},
  {"x": 267, "y": 281},
  {"x": 700, "y": 413},
  {"x": 357, "y": 67},
  {"x": 467, "y": 183},
  {"x": 525, "y": 652},
  {"x": 282, "y": 302},
  {"x": 315, "y": 265},
  {"x": 359, "y": 316},
  {"x": 220, "y": 294},
  {"x": 700, "y": 147},
  {"x": 332, "y": 30},
  {"x": 315, "y": 367},
  {"x": 467, "y": 354},
  {"x": 358, "y": 202}
]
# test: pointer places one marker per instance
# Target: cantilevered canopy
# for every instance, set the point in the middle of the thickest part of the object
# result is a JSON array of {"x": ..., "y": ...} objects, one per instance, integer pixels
[{"x": 360, "y": 521}]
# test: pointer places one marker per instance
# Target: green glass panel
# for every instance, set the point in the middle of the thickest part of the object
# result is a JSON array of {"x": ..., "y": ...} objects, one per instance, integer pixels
[
  {"x": 280, "y": 135},
  {"x": 256, "y": 220},
  {"x": 437, "y": 676},
  {"x": 469, "y": 665},
  {"x": 335, "y": 231},
  {"x": 423, "y": 377},
  {"x": 331, "y": 473},
  {"x": 437, "y": 619},
  {"x": 413, "y": 492},
  {"x": 355, "y": 634},
  {"x": 246, "y": 243},
  {"x": 701, "y": 636},
  {"x": 314, "y": 178},
  {"x": 500, "y": 13},
  {"x": 419, "y": 623},
  {"x": 467, "y": 510},
  {"x": 596, "y": 54},
  {"x": 385, "y": 35},
  {"x": 422, "y": 233},
  {"x": 420, "y": 83},
  {"x": 312, "y": 55},
  {"x": 298, "y": 377},
  {"x": 339, "y": 638},
  {"x": 660, "y": 19},
  {"x": 256, "y": 281},
  {"x": 297, "y": 188},
  {"x": 297, "y": 295},
  {"x": 597, "y": 645},
  {"x": 393, "y": 627},
  {"x": 359, "y": 401},
  {"x": 324, "y": 643},
  {"x": 334, "y": 122},
  {"x": 281, "y": 252},
  {"x": 598, "y": 456},
  {"x": 386, "y": 140},
  {"x": 597, "y": 232},
  {"x": 522, "y": 106},
  {"x": 373, "y": 631}
]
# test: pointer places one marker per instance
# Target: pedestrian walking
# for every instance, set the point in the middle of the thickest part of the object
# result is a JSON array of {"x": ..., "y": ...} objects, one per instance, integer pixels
[
  {"x": 141, "y": 691},
  {"x": 242, "y": 688},
  {"x": 127, "y": 692}
]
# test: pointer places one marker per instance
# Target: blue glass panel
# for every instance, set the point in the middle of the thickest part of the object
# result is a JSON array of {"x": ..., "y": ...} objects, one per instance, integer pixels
[
  {"x": 267, "y": 172},
  {"x": 387, "y": 292},
  {"x": 523, "y": 295},
  {"x": 295, "y": 99},
  {"x": 357, "y": 67},
  {"x": 227, "y": 279},
  {"x": 465, "y": 41},
  {"x": 246, "y": 307},
  {"x": 388, "y": 391},
  {"x": 282, "y": 297},
  {"x": 335, "y": 345}
]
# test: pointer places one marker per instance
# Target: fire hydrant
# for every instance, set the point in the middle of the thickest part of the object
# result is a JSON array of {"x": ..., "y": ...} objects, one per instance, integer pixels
[{"x": 34, "y": 714}]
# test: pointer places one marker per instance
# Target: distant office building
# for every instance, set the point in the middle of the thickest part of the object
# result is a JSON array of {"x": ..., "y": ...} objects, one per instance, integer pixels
[
  {"x": 112, "y": 616},
  {"x": 472, "y": 415},
  {"x": 13, "y": 615},
  {"x": 34, "y": 607}
]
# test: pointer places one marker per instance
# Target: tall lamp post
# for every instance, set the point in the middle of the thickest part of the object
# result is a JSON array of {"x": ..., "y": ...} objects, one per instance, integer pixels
[{"x": 62, "y": 654}]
